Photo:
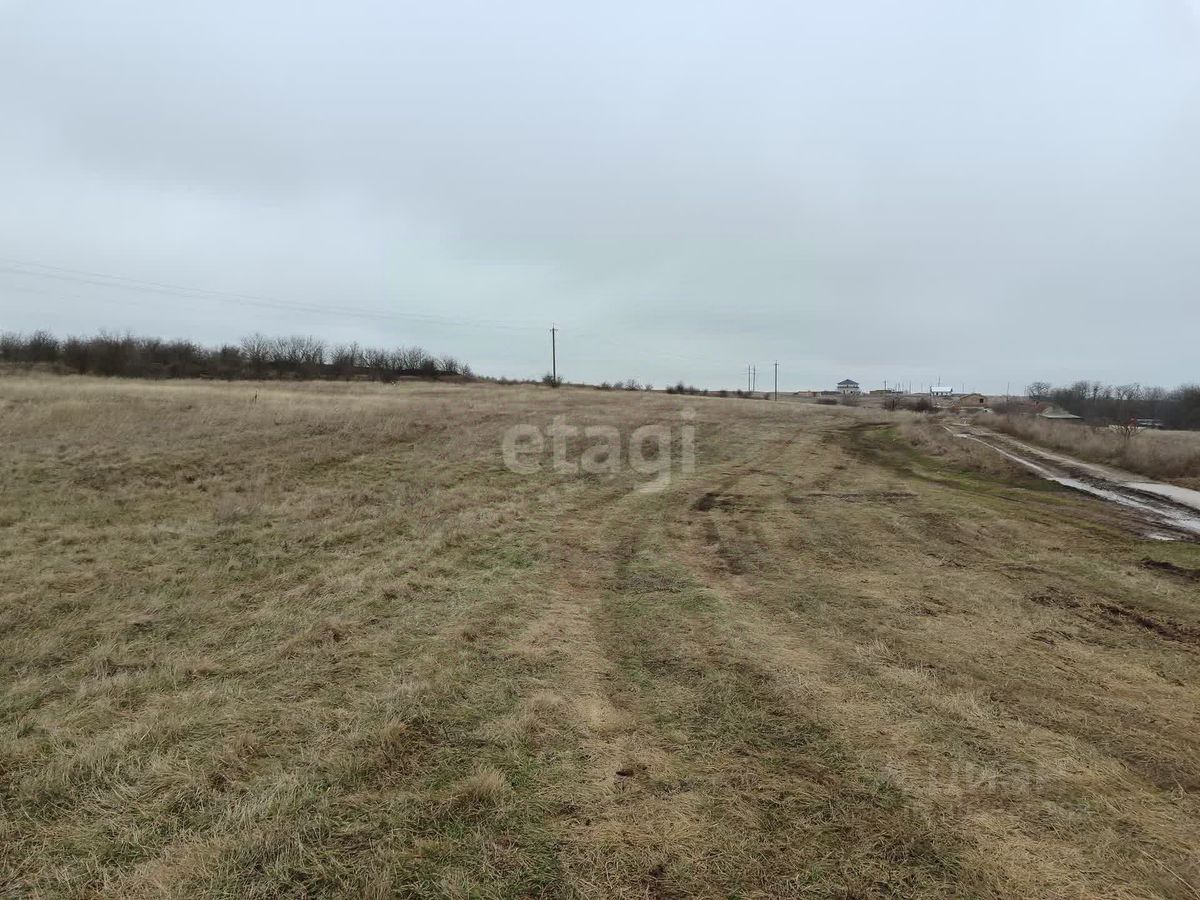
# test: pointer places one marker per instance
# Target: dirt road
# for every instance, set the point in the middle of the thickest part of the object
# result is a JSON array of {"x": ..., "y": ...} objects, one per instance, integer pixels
[{"x": 1169, "y": 511}]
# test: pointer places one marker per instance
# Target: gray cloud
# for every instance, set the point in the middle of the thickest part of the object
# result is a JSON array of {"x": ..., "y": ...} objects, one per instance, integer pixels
[{"x": 981, "y": 192}]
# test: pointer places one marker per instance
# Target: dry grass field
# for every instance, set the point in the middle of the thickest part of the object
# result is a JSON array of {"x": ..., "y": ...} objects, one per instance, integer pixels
[
  {"x": 1169, "y": 455},
  {"x": 318, "y": 641}
]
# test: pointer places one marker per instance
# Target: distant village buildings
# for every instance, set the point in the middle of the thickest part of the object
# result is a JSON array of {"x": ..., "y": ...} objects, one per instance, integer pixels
[
  {"x": 935, "y": 396},
  {"x": 971, "y": 401}
]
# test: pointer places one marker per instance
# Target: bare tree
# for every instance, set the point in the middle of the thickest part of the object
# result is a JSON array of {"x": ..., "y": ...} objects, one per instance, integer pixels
[
  {"x": 256, "y": 350},
  {"x": 11, "y": 345},
  {"x": 345, "y": 359},
  {"x": 1039, "y": 390},
  {"x": 257, "y": 356}
]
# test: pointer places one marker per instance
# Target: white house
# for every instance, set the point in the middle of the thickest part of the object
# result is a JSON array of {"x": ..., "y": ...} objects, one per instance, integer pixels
[{"x": 848, "y": 387}]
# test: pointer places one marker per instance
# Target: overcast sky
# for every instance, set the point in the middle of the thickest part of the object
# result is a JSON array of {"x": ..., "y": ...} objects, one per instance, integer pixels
[{"x": 985, "y": 192}]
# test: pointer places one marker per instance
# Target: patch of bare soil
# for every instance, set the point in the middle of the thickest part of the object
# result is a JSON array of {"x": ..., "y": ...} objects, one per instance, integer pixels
[
  {"x": 1171, "y": 569},
  {"x": 1165, "y": 628}
]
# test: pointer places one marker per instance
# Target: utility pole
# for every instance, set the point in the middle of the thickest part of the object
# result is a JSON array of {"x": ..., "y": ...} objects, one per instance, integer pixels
[
  {"x": 748, "y": 377},
  {"x": 554, "y": 354},
  {"x": 753, "y": 379},
  {"x": 777, "y": 379}
]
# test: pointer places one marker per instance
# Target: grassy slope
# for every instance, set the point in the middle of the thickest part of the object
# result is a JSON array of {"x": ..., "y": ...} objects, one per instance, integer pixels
[{"x": 263, "y": 641}]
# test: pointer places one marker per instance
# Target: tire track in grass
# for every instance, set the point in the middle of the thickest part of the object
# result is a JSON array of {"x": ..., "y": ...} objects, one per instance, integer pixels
[
  {"x": 931, "y": 739},
  {"x": 698, "y": 775},
  {"x": 808, "y": 819}
]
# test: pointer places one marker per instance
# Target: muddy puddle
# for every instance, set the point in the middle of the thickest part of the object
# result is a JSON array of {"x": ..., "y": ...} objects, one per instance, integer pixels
[{"x": 1170, "y": 512}]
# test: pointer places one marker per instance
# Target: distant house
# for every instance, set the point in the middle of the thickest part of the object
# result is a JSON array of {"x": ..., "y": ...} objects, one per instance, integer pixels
[
  {"x": 942, "y": 390},
  {"x": 1058, "y": 414},
  {"x": 971, "y": 401},
  {"x": 848, "y": 387}
]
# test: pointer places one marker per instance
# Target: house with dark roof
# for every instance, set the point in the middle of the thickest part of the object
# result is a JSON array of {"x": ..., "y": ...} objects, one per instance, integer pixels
[{"x": 848, "y": 387}]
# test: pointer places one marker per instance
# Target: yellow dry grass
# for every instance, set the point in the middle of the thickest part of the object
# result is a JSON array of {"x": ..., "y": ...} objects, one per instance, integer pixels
[
  {"x": 1170, "y": 455},
  {"x": 316, "y": 640}
]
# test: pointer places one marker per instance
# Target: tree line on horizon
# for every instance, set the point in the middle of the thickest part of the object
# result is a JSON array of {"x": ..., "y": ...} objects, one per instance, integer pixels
[
  {"x": 1105, "y": 404},
  {"x": 256, "y": 356}
]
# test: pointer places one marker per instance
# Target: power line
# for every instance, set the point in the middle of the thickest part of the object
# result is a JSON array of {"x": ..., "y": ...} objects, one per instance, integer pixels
[
  {"x": 99, "y": 279},
  {"x": 29, "y": 269},
  {"x": 594, "y": 337}
]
